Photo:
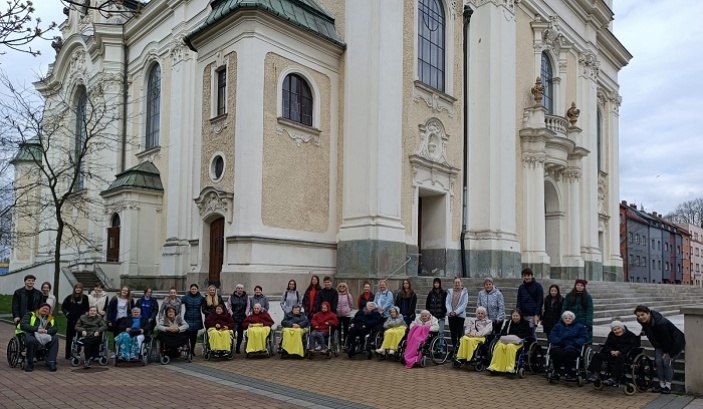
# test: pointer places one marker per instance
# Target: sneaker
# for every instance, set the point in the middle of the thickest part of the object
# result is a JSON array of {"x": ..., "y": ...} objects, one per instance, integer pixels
[
  {"x": 391, "y": 352},
  {"x": 593, "y": 378},
  {"x": 380, "y": 351},
  {"x": 554, "y": 377},
  {"x": 569, "y": 378},
  {"x": 29, "y": 368},
  {"x": 52, "y": 366},
  {"x": 87, "y": 363},
  {"x": 237, "y": 351},
  {"x": 610, "y": 382},
  {"x": 666, "y": 390},
  {"x": 657, "y": 389},
  {"x": 112, "y": 356},
  {"x": 318, "y": 348}
]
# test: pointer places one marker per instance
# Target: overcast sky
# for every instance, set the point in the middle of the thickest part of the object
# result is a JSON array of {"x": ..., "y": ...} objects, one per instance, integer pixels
[{"x": 661, "y": 154}]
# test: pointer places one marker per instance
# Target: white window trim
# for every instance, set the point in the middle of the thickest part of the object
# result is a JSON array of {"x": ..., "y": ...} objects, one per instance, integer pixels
[
  {"x": 314, "y": 88},
  {"x": 449, "y": 39},
  {"x": 214, "y": 71}
]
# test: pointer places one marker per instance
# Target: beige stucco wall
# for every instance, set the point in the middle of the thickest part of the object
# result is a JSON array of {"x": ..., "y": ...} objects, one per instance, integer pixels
[
  {"x": 25, "y": 217},
  {"x": 571, "y": 81},
  {"x": 296, "y": 178},
  {"x": 224, "y": 140},
  {"x": 417, "y": 112}
]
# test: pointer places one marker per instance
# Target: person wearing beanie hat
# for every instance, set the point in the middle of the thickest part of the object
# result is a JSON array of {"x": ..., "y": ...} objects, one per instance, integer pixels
[
  {"x": 580, "y": 302},
  {"x": 41, "y": 329},
  {"x": 617, "y": 346}
]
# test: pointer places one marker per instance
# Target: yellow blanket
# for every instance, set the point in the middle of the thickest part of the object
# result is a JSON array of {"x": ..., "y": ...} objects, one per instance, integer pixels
[
  {"x": 219, "y": 340},
  {"x": 392, "y": 337},
  {"x": 292, "y": 341},
  {"x": 504, "y": 357},
  {"x": 256, "y": 338},
  {"x": 467, "y": 346}
]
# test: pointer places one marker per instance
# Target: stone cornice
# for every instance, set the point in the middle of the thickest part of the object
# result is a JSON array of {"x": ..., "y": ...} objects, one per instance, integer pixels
[{"x": 612, "y": 49}]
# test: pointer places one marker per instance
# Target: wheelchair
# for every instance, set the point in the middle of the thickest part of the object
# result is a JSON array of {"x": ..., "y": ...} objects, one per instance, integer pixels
[
  {"x": 580, "y": 366},
  {"x": 208, "y": 353},
  {"x": 270, "y": 349},
  {"x": 481, "y": 357},
  {"x": 160, "y": 352},
  {"x": 637, "y": 373},
  {"x": 431, "y": 348},
  {"x": 529, "y": 346},
  {"x": 333, "y": 343},
  {"x": 365, "y": 344},
  {"x": 144, "y": 355},
  {"x": 103, "y": 352},
  {"x": 378, "y": 340},
  {"x": 17, "y": 351}
]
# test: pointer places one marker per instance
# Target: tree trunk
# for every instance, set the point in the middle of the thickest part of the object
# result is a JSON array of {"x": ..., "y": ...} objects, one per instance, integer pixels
[{"x": 57, "y": 257}]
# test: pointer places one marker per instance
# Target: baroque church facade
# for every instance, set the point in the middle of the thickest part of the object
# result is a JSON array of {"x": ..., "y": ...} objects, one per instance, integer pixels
[{"x": 259, "y": 141}]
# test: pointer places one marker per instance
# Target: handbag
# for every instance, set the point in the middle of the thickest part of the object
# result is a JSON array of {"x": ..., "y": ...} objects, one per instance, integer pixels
[{"x": 511, "y": 339}]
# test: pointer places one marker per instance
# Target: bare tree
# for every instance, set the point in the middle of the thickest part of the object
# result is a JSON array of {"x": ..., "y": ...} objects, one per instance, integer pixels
[
  {"x": 690, "y": 211},
  {"x": 60, "y": 146},
  {"x": 19, "y": 27}
]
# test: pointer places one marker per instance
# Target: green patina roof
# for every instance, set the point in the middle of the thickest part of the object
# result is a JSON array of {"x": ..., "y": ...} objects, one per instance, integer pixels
[
  {"x": 306, "y": 14},
  {"x": 144, "y": 176},
  {"x": 29, "y": 151}
]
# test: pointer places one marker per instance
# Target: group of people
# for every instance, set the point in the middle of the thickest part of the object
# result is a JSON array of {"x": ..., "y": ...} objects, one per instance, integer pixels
[{"x": 566, "y": 320}]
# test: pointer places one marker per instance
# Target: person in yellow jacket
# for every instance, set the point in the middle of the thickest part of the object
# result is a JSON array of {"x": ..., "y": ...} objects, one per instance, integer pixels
[{"x": 40, "y": 329}]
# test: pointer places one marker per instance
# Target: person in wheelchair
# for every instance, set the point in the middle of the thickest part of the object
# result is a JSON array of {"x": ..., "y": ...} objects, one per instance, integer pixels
[
  {"x": 321, "y": 323},
  {"x": 512, "y": 336},
  {"x": 394, "y": 331},
  {"x": 295, "y": 324},
  {"x": 258, "y": 327},
  {"x": 567, "y": 339},
  {"x": 172, "y": 332},
  {"x": 364, "y": 321},
  {"x": 132, "y": 331},
  {"x": 420, "y": 330},
  {"x": 40, "y": 330},
  {"x": 475, "y": 333},
  {"x": 618, "y": 345},
  {"x": 89, "y": 329},
  {"x": 220, "y": 329}
]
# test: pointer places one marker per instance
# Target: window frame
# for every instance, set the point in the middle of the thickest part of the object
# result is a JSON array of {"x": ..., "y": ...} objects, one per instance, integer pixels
[
  {"x": 432, "y": 66},
  {"x": 80, "y": 138},
  {"x": 153, "y": 108},
  {"x": 305, "y": 117},
  {"x": 546, "y": 74},
  {"x": 221, "y": 76}
]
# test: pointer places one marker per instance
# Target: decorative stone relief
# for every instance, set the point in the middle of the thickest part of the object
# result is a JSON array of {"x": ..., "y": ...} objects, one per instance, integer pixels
[
  {"x": 179, "y": 52},
  {"x": 573, "y": 114},
  {"x": 533, "y": 158},
  {"x": 119, "y": 207},
  {"x": 589, "y": 64},
  {"x": 77, "y": 62},
  {"x": 218, "y": 125},
  {"x": 433, "y": 142},
  {"x": 508, "y": 4},
  {"x": 615, "y": 102},
  {"x": 213, "y": 200},
  {"x": 602, "y": 195},
  {"x": 57, "y": 44},
  {"x": 549, "y": 36},
  {"x": 572, "y": 174},
  {"x": 300, "y": 134},
  {"x": 537, "y": 91},
  {"x": 554, "y": 171},
  {"x": 433, "y": 99}
]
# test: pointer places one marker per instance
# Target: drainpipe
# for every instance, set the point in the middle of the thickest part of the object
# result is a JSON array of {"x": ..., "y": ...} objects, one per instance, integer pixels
[
  {"x": 125, "y": 54},
  {"x": 465, "y": 195}
]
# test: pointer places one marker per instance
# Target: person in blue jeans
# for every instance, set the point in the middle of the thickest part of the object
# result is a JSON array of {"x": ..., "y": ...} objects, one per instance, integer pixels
[{"x": 668, "y": 342}]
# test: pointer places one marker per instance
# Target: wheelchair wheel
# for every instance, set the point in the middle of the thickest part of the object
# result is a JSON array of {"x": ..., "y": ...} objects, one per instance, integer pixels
[
  {"x": 103, "y": 360},
  {"x": 479, "y": 367},
  {"x": 535, "y": 359},
  {"x": 629, "y": 389},
  {"x": 378, "y": 340},
  {"x": 438, "y": 352},
  {"x": 423, "y": 362},
  {"x": 75, "y": 361},
  {"x": 521, "y": 373},
  {"x": 165, "y": 359},
  {"x": 598, "y": 384},
  {"x": 580, "y": 381},
  {"x": 206, "y": 355},
  {"x": 642, "y": 372},
  {"x": 13, "y": 352},
  {"x": 456, "y": 364}
]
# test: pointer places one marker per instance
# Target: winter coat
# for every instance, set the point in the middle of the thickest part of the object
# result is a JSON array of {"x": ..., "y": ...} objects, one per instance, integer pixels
[
  {"x": 257, "y": 299},
  {"x": 262, "y": 318},
  {"x": 433, "y": 323},
  {"x": 571, "y": 336},
  {"x": 209, "y": 309},
  {"x": 90, "y": 324},
  {"x": 99, "y": 301},
  {"x": 193, "y": 311},
  {"x": 384, "y": 299},
  {"x": 51, "y": 300},
  {"x": 345, "y": 304},
  {"x": 30, "y": 323},
  {"x": 368, "y": 319},
  {"x": 436, "y": 303},
  {"x": 291, "y": 319},
  {"x": 552, "y": 312},
  {"x": 165, "y": 323},
  {"x": 153, "y": 307},
  {"x": 363, "y": 299},
  {"x": 623, "y": 343},
  {"x": 73, "y": 310},
  {"x": 289, "y": 299},
  {"x": 224, "y": 319},
  {"x": 309, "y": 301},
  {"x": 530, "y": 297},
  {"x": 664, "y": 335},
  {"x": 522, "y": 329},
  {"x": 175, "y": 303},
  {"x": 126, "y": 322},
  {"x": 493, "y": 302},
  {"x": 460, "y": 309},
  {"x": 321, "y": 321},
  {"x": 391, "y": 322},
  {"x": 406, "y": 304},
  {"x": 19, "y": 302},
  {"x": 112, "y": 310},
  {"x": 329, "y": 295},
  {"x": 478, "y": 328},
  {"x": 584, "y": 316},
  {"x": 237, "y": 306}
]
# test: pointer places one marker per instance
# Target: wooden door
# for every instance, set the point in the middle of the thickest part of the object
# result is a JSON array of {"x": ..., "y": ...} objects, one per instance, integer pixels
[
  {"x": 217, "y": 250},
  {"x": 113, "y": 244}
]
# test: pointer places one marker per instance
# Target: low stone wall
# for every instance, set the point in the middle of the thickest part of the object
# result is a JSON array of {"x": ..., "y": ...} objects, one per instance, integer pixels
[{"x": 693, "y": 322}]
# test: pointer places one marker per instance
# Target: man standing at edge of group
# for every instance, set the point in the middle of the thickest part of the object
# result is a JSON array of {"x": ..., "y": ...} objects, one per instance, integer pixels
[
  {"x": 25, "y": 299},
  {"x": 530, "y": 297},
  {"x": 668, "y": 342}
]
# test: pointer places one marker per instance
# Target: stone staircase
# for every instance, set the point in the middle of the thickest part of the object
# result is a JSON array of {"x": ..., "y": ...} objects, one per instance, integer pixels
[{"x": 87, "y": 278}]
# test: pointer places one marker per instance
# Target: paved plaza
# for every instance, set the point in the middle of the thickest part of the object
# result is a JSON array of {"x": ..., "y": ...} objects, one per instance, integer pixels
[{"x": 291, "y": 383}]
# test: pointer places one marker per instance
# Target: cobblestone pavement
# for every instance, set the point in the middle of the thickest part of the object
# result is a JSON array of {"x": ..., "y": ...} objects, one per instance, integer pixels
[{"x": 291, "y": 383}]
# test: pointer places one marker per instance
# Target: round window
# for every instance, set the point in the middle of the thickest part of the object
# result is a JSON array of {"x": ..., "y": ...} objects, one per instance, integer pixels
[{"x": 217, "y": 168}]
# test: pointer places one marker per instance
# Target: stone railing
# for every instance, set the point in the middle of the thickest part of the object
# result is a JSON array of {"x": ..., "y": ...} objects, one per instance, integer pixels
[{"x": 556, "y": 124}]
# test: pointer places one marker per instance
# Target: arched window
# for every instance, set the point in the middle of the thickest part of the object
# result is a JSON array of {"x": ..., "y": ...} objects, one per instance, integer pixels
[
  {"x": 430, "y": 43},
  {"x": 546, "y": 76},
  {"x": 599, "y": 138},
  {"x": 116, "y": 220},
  {"x": 79, "y": 149},
  {"x": 297, "y": 100},
  {"x": 153, "y": 107}
]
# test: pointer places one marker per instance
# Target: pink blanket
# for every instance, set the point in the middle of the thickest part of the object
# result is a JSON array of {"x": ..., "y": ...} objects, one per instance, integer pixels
[{"x": 417, "y": 335}]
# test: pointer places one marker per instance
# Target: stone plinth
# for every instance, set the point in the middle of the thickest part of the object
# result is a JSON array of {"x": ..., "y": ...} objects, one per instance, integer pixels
[{"x": 693, "y": 322}]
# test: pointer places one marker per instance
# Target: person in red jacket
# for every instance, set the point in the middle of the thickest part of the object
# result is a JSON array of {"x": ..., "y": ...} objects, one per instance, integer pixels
[
  {"x": 220, "y": 326},
  {"x": 258, "y": 326},
  {"x": 321, "y": 323}
]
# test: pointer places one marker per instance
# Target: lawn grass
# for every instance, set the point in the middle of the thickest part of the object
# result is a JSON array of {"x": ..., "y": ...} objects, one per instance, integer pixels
[{"x": 6, "y": 308}]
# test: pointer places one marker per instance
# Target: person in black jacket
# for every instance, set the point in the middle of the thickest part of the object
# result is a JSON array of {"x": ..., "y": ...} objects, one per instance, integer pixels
[
  {"x": 436, "y": 304},
  {"x": 74, "y": 305},
  {"x": 25, "y": 299},
  {"x": 327, "y": 293},
  {"x": 530, "y": 297},
  {"x": 364, "y": 322},
  {"x": 619, "y": 343},
  {"x": 553, "y": 303},
  {"x": 667, "y": 340}
]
